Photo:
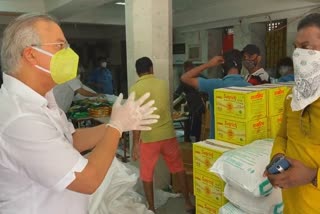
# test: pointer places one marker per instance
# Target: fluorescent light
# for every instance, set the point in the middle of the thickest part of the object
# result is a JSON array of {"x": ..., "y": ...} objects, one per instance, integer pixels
[{"x": 121, "y": 3}]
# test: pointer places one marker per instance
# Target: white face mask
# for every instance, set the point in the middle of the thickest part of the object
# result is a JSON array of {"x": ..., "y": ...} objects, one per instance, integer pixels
[
  {"x": 104, "y": 64},
  {"x": 283, "y": 70},
  {"x": 307, "y": 78}
]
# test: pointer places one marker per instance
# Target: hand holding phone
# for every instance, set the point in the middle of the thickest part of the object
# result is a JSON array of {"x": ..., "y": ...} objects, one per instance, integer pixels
[{"x": 278, "y": 165}]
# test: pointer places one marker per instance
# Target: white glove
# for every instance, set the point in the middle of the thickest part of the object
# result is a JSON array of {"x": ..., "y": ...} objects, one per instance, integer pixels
[{"x": 132, "y": 115}]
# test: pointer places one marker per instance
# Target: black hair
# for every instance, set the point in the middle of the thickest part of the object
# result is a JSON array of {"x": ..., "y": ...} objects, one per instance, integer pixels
[
  {"x": 232, "y": 59},
  {"x": 143, "y": 65},
  {"x": 101, "y": 59},
  {"x": 251, "y": 49},
  {"x": 286, "y": 61},
  {"x": 312, "y": 19}
]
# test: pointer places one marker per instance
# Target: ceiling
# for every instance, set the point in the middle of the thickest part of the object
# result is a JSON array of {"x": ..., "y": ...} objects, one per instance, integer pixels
[{"x": 185, "y": 12}]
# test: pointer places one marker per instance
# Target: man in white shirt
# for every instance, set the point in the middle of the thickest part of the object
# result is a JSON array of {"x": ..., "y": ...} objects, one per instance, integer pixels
[
  {"x": 41, "y": 169},
  {"x": 252, "y": 62},
  {"x": 66, "y": 92}
]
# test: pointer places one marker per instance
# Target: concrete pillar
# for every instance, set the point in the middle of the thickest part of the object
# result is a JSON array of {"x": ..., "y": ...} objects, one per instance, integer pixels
[
  {"x": 242, "y": 35},
  {"x": 149, "y": 33},
  {"x": 214, "y": 48},
  {"x": 291, "y": 34},
  {"x": 258, "y": 37}
]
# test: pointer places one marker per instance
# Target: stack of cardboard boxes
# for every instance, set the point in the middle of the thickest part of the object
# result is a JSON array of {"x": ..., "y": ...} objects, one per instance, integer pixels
[
  {"x": 208, "y": 188},
  {"x": 276, "y": 95},
  {"x": 242, "y": 115}
]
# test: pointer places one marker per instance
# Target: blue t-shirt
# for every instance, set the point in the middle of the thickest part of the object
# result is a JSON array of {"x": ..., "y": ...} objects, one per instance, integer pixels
[
  {"x": 208, "y": 85},
  {"x": 286, "y": 78},
  {"x": 102, "y": 76}
]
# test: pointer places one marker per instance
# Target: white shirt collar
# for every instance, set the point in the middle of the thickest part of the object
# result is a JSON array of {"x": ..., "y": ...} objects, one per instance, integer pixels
[
  {"x": 17, "y": 88},
  {"x": 260, "y": 70}
]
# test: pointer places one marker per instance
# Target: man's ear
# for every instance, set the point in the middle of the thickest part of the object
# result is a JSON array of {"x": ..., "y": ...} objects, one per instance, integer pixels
[
  {"x": 29, "y": 55},
  {"x": 259, "y": 58}
]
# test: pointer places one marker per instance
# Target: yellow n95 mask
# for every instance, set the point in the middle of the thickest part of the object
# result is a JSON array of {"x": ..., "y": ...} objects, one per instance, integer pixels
[{"x": 63, "y": 64}]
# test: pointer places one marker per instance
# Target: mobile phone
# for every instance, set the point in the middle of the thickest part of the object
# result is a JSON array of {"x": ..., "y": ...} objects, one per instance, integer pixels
[{"x": 278, "y": 165}]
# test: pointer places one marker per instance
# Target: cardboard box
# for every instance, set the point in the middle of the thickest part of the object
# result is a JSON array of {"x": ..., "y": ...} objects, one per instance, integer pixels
[
  {"x": 240, "y": 103},
  {"x": 205, "y": 123},
  {"x": 240, "y": 132},
  {"x": 209, "y": 186},
  {"x": 186, "y": 152},
  {"x": 205, "y": 153},
  {"x": 276, "y": 95},
  {"x": 204, "y": 206},
  {"x": 274, "y": 124}
]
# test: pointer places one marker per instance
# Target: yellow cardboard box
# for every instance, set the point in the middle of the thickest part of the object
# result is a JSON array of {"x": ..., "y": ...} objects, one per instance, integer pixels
[
  {"x": 276, "y": 95},
  {"x": 240, "y": 103},
  {"x": 186, "y": 152},
  {"x": 240, "y": 132},
  {"x": 205, "y": 153},
  {"x": 274, "y": 124},
  {"x": 205, "y": 206},
  {"x": 209, "y": 186}
]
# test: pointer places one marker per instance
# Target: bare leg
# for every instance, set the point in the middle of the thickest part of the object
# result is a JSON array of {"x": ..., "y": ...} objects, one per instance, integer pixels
[
  {"x": 148, "y": 191},
  {"x": 182, "y": 179}
]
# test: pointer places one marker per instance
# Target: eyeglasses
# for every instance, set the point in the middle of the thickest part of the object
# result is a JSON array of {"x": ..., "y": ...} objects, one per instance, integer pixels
[{"x": 59, "y": 45}]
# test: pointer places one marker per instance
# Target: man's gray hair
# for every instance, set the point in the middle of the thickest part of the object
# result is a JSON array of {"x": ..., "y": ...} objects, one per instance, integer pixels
[{"x": 18, "y": 35}]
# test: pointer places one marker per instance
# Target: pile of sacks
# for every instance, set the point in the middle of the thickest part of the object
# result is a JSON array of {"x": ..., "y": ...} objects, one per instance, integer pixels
[
  {"x": 246, "y": 188},
  {"x": 119, "y": 192}
]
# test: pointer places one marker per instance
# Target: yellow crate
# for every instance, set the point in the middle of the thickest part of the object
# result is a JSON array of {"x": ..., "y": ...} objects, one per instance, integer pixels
[
  {"x": 205, "y": 153},
  {"x": 276, "y": 95},
  {"x": 237, "y": 102},
  {"x": 205, "y": 206},
  {"x": 274, "y": 124},
  {"x": 240, "y": 132},
  {"x": 209, "y": 186}
]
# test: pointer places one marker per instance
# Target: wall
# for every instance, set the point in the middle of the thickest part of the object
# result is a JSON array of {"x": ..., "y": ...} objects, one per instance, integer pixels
[
  {"x": 21, "y": 6},
  {"x": 214, "y": 49},
  {"x": 291, "y": 34},
  {"x": 223, "y": 13},
  {"x": 106, "y": 38}
]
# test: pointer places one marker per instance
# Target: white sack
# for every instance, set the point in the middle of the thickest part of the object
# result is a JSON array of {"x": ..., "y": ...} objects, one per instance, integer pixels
[
  {"x": 116, "y": 195},
  {"x": 271, "y": 204},
  {"x": 160, "y": 197},
  {"x": 229, "y": 208},
  {"x": 243, "y": 167}
]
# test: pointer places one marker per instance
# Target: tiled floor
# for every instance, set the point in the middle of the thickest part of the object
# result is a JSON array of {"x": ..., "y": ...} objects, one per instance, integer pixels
[{"x": 173, "y": 206}]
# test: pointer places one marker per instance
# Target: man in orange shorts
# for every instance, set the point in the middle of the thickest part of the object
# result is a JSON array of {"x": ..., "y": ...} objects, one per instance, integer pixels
[{"x": 149, "y": 145}]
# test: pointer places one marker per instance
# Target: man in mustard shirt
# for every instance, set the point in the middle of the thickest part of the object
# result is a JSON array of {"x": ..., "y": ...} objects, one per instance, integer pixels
[
  {"x": 148, "y": 145},
  {"x": 298, "y": 138}
]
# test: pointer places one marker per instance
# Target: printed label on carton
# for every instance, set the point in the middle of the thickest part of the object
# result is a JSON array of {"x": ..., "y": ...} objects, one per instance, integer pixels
[
  {"x": 209, "y": 186},
  {"x": 240, "y": 132},
  {"x": 238, "y": 103}
]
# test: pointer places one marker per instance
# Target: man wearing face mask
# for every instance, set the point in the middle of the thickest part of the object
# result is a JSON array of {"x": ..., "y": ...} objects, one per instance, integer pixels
[
  {"x": 251, "y": 61},
  {"x": 101, "y": 78},
  {"x": 285, "y": 70},
  {"x": 41, "y": 168},
  {"x": 231, "y": 64},
  {"x": 298, "y": 138},
  {"x": 65, "y": 93}
]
